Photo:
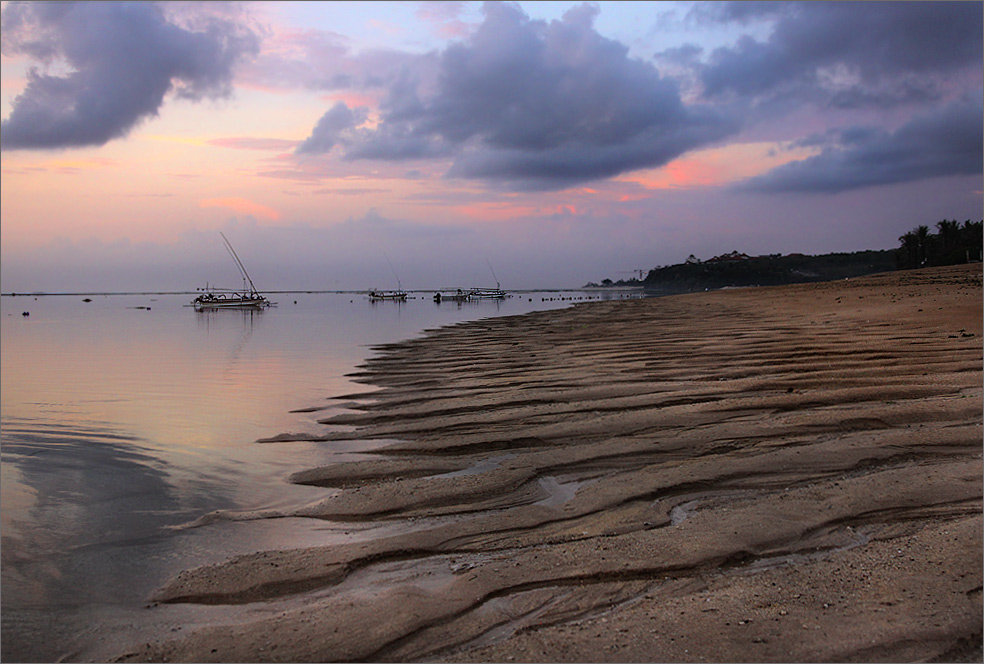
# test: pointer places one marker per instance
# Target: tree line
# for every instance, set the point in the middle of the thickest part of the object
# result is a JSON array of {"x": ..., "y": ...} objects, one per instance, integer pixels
[{"x": 952, "y": 244}]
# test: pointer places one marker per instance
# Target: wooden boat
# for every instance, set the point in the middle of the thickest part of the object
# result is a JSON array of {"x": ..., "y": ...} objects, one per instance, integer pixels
[
  {"x": 227, "y": 298},
  {"x": 215, "y": 298},
  {"x": 398, "y": 295},
  {"x": 377, "y": 295},
  {"x": 487, "y": 294},
  {"x": 457, "y": 296}
]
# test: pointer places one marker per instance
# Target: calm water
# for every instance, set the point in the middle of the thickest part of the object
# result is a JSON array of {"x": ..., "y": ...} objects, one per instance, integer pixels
[{"x": 128, "y": 415}]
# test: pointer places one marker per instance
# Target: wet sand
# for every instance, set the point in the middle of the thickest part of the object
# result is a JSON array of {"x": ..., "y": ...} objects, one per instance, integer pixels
[{"x": 772, "y": 474}]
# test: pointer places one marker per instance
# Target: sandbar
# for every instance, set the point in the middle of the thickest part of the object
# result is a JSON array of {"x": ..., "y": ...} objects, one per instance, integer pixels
[{"x": 756, "y": 474}]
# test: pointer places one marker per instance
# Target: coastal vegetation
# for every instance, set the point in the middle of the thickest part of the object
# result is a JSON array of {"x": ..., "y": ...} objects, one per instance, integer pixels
[{"x": 952, "y": 244}]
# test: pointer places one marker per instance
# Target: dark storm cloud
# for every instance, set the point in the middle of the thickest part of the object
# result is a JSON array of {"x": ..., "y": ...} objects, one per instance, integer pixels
[
  {"x": 122, "y": 59},
  {"x": 947, "y": 142},
  {"x": 848, "y": 54},
  {"x": 536, "y": 105}
]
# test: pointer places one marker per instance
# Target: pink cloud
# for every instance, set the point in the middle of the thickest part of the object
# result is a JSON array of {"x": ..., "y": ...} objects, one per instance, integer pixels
[
  {"x": 444, "y": 19},
  {"x": 242, "y": 206},
  {"x": 64, "y": 166},
  {"x": 514, "y": 211},
  {"x": 251, "y": 143},
  {"x": 295, "y": 175},
  {"x": 387, "y": 27},
  {"x": 717, "y": 166},
  {"x": 353, "y": 99},
  {"x": 495, "y": 211}
]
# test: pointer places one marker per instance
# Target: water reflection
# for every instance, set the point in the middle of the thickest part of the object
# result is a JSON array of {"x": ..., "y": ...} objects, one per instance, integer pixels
[
  {"x": 83, "y": 492},
  {"x": 490, "y": 304},
  {"x": 224, "y": 318},
  {"x": 124, "y": 415},
  {"x": 221, "y": 320}
]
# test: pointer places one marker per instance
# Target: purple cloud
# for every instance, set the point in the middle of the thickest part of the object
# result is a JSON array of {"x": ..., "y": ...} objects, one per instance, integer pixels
[
  {"x": 332, "y": 127},
  {"x": 533, "y": 105},
  {"x": 846, "y": 54},
  {"x": 124, "y": 58},
  {"x": 946, "y": 142}
]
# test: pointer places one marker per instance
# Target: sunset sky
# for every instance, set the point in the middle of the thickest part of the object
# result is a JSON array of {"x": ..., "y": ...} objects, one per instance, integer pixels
[{"x": 339, "y": 145}]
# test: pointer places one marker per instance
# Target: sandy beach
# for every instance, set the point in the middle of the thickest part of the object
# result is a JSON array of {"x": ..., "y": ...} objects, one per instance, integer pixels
[{"x": 762, "y": 474}]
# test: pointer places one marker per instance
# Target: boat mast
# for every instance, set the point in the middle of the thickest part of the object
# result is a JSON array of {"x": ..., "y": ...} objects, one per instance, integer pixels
[
  {"x": 399, "y": 284},
  {"x": 239, "y": 263},
  {"x": 489, "y": 263}
]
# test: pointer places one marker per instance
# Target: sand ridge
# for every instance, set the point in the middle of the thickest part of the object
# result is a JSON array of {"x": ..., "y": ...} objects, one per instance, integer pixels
[{"x": 771, "y": 474}]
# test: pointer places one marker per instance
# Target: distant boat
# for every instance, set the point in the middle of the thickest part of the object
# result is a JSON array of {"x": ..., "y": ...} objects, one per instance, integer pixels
[
  {"x": 471, "y": 294},
  {"x": 376, "y": 295},
  {"x": 398, "y": 295},
  {"x": 227, "y": 298},
  {"x": 489, "y": 293},
  {"x": 457, "y": 296},
  {"x": 219, "y": 298}
]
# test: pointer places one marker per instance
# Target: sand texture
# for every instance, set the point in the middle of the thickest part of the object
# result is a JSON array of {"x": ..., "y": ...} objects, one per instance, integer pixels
[{"x": 772, "y": 474}]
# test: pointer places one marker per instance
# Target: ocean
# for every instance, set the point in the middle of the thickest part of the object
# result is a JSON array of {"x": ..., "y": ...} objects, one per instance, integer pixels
[{"x": 127, "y": 417}]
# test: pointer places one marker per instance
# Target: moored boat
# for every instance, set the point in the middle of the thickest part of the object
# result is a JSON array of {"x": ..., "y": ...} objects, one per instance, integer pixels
[
  {"x": 213, "y": 298},
  {"x": 398, "y": 295},
  {"x": 227, "y": 298},
  {"x": 457, "y": 296},
  {"x": 487, "y": 294}
]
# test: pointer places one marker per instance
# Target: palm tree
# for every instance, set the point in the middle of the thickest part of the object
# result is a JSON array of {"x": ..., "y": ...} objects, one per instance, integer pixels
[
  {"x": 923, "y": 239},
  {"x": 972, "y": 239},
  {"x": 949, "y": 235},
  {"x": 909, "y": 251}
]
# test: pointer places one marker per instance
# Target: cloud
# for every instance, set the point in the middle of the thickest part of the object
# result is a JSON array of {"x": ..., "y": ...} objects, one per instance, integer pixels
[
  {"x": 242, "y": 206},
  {"x": 254, "y": 143},
  {"x": 530, "y": 105},
  {"x": 332, "y": 126},
  {"x": 120, "y": 61},
  {"x": 444, "y": 17},
  {"x": 848, "y": 55},
  {"x": 314, "y": 59},
  {"x": 946, "y": 142}
]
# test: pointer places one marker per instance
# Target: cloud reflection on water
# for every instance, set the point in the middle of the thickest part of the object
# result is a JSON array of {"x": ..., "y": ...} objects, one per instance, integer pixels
[
  {"x": 125, "y": 415},
  {"x": 93, "y": 490}
]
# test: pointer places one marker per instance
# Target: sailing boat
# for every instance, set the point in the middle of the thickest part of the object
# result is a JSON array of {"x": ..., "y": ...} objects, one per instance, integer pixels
[
  {"x": 226, "y": 298},
  {"x": 399, "y": 294},
  {"x": 489, "y": 293}
]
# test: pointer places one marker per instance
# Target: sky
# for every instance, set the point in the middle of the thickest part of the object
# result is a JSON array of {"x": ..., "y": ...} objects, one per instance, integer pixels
[{"x": 356, "y": 145}]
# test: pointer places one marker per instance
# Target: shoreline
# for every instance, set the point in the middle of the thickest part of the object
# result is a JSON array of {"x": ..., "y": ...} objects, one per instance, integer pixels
[{"x": 782, "y": 473}]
